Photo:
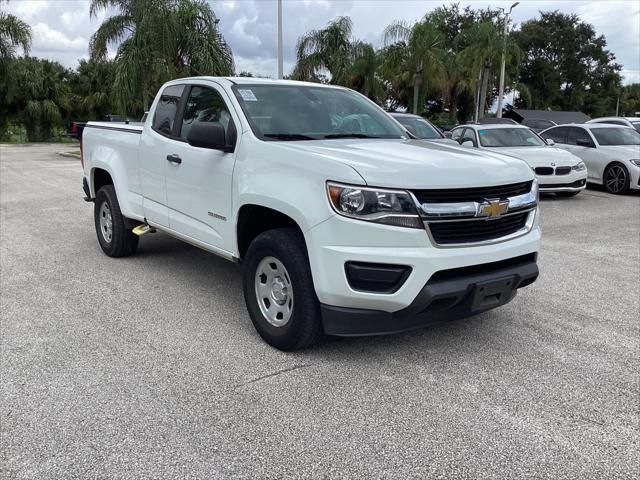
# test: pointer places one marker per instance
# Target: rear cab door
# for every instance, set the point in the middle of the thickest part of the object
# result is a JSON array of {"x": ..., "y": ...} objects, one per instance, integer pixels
[
  {"x": 159, "y": 132},
  {"x": 199, "y": 187}
]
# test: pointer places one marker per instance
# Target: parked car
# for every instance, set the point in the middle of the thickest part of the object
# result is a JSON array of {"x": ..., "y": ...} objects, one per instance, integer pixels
[
  {"x": 339, "y": 231},
  {"x": 537, "y": 125},
  {"x": 611, "y": 152},
  {"x": 420, "y": 128},
  {"x": 557, "y": 171},
  {"x": 633, "y": 122}
]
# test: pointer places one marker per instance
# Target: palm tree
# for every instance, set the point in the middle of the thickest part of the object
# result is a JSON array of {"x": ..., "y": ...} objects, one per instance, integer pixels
[
  {"x": 327, "y": 49},
  {"x": 363, "y": 71},
  {"x": 482, "y": 54},
  {"x": 158, "y": 40},
  {"x": 13, "y": 33},
  {"x": 421, "y": 54}
]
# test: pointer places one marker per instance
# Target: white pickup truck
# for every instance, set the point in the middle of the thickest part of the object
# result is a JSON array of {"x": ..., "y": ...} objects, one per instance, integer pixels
[{"x": 343, "y": 224}]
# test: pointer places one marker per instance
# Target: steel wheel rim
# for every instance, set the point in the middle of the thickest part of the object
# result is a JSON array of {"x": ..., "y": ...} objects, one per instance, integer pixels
[
  {"x": 106, "y": 222},
  {"x": 274, "y": 291},
  {"x": 616, "y": 179}
]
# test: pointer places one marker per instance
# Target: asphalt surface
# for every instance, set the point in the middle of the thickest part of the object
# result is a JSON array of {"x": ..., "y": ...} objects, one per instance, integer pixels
[{"x": 149, "y": 367}]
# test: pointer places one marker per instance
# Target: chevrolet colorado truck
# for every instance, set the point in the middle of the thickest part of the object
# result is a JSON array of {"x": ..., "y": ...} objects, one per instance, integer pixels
[{"x": 343, "y": 225}]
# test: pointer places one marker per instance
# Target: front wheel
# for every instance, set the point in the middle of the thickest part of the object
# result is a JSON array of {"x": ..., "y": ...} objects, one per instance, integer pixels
[
  {"x": 279, "y": 292},
  {"x": 616, "y": 179},
  {"x": 115, "y": 239}
]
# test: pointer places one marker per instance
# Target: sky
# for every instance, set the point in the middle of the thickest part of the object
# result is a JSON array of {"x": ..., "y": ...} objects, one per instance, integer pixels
[{"x": 62, "y": 28}]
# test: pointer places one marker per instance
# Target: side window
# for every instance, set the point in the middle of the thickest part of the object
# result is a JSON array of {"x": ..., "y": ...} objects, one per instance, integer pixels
[
  {"x": 578, "y": 135},
  {"x": 469, "y": 134},
  {"x": 165, "y": 114},
  {"x": 558, "y": 134},
  {"x": 204, "y": 105},
  {"x": 456, "y": 133}
]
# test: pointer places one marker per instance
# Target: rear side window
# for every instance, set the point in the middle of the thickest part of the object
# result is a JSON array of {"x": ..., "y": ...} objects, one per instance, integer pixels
[
  {"x": 558, "y": 134},
  {"x": 204, "y": 105},
  {"x": 165, "y": 114}
]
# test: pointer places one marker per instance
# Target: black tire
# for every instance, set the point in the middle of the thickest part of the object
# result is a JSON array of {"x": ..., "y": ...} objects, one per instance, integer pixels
[
  {"x": 616, "y": 179},
  {"x": 121, "y": 241},
  {"x": 304, "y": 326},
  {"x": 567, "y": 194}
]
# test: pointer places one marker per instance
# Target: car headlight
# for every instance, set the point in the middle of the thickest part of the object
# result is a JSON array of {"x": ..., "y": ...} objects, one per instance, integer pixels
[
  {"x": 579, "y": 167},
  {"x": 389, "y": 207},
  {"x": 636, "y": 162}
]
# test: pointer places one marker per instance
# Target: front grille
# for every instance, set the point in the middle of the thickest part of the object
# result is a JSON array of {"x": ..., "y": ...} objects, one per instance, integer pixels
[
  {"x": 447, "y": 233},
  {"x": 576, "y": 184},
  {"x": 476, "y": 194},
  {"x": 563, "y": 170},
  {"x": 544, "y": 171}
]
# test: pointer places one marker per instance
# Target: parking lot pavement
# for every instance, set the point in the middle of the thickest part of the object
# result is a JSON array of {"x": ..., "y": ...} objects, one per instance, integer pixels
[{"x": 149, "y": 367}]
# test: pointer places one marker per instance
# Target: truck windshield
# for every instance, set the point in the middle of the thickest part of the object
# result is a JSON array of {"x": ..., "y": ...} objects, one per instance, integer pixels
[
  {"x": 300, "y": 112},
  {"x": 509, "y": 137},
  {"x": 616, "y": 136}
]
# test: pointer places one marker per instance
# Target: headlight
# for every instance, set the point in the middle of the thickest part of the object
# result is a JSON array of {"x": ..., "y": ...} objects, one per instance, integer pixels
[
  {"x": 636, "y": 162},
  {"x": 579, "y": 167},
  {"x": 389, "y": 207}
]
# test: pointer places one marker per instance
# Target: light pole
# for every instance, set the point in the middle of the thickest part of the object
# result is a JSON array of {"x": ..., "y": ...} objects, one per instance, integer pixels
[
  {"x": 280, "y": 74},
  {"x": 504, "y": 54}
]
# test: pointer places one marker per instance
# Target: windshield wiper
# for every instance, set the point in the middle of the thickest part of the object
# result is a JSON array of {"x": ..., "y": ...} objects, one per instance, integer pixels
[
  {"x": 348, "y": 135},
  {"x": 288, "y": 136}
]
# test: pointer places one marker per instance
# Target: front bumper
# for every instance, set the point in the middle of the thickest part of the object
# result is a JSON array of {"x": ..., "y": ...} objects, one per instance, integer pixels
[
  {"x": 573, "y": 182},
  {"x": 458, "y": 294},
  {"x": 339, "y": 240}
]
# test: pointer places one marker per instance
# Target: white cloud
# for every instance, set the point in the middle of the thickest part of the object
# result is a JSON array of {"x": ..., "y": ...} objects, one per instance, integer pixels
[{"x": 46, "y": 38}]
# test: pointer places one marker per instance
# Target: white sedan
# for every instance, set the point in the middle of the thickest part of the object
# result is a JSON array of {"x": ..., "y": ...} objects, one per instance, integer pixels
[
  {"x": 611, "y": 152},
  {"x": 557, "y": 171}
]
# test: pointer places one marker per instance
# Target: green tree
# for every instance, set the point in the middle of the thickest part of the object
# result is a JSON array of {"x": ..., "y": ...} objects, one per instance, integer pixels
[
  {"x": 630, "y": 100},
  {"x": 418, "y": 53},
  {"x": 158, "y": 40},
  {"x": 328, "y": 49},
  {"x": 37, "y": 95},
  {"x": 14, "y": 33},
  {"x": 566, "y": 65},
  {"x": 92, "y": 86}
]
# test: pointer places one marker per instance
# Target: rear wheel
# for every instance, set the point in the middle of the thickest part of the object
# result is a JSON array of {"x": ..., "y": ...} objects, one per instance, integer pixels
[
  {"x": 567, "y": 194},
  {"x": 114, "y": 236},
  {"x": 279, "y": 292},
  {"x": 616, "y": 179}
]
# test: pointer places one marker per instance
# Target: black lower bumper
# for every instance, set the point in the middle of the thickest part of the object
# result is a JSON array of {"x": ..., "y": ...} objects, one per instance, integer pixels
[{"x": 449, "y": 295}]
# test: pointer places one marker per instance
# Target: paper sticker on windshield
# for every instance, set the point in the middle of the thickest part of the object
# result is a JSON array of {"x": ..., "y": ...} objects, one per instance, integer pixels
[{"x": 247, "y": 95}]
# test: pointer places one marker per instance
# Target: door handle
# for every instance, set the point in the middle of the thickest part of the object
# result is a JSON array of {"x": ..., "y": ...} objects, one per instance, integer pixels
[{"x": 174, "y": 158}]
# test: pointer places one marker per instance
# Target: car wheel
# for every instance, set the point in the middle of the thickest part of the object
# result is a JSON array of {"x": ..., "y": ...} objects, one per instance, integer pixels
[
  {"x": 567, "y": 194},
  {"x": 616, "y": 178},
  {"x": 279, "y": 292},
  {"x": 116, "y": 240}
]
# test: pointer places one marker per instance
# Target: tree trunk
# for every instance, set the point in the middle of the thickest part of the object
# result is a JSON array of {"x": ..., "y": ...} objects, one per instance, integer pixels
[
  {"x": 145, "y": 97},
  {"x": 416, "y": 93},
  {"x": 483, "y": 92}
]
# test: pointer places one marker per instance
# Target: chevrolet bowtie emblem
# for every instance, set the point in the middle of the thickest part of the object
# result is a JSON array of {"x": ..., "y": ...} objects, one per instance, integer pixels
[{"x": 493, "y": 209}]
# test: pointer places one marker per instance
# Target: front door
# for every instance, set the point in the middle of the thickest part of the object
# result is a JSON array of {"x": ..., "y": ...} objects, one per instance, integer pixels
[{"x": 199, "y": 179}]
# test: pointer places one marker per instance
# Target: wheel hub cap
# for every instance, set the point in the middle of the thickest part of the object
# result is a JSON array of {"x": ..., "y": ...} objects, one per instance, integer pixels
[
  {"x": 274, "y": 292},
  {"x": 106, "y": 222}
]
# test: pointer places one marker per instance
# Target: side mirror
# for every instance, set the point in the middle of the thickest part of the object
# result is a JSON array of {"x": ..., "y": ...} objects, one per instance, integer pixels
[
  {"x": 467, "y": 143},
  {"x": 209, "y": 135},
  {"x": 550, "y": 141},
  {"x": 447, "y": 134},
  {"x": 584, "y": 143}
]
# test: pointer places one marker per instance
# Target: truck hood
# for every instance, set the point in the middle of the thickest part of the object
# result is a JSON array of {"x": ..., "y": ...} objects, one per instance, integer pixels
[
  {"x": 417, "y": 164},
  {"x": 540, "y": 156}
]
